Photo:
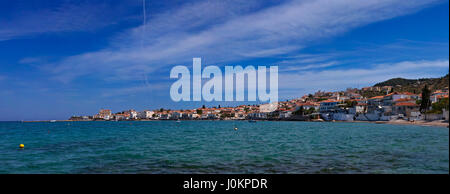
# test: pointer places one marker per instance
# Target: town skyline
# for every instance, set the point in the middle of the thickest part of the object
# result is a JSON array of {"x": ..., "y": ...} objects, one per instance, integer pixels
[
  {"x": 372, "y": 103},
  {"x": 253, "y": 104},
  {"x": 59, "y": 58}
]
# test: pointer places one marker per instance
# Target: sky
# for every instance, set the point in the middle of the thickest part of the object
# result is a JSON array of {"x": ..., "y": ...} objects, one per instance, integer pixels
[{"x": 63, "y": 58}]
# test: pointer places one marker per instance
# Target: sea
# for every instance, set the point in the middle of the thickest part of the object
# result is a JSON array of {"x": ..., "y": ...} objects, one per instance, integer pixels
[{"x": 269, "y": 147}]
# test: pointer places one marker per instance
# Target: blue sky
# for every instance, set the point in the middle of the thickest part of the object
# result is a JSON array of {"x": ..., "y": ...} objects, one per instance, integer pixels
[{"x": 63, "y": 58}]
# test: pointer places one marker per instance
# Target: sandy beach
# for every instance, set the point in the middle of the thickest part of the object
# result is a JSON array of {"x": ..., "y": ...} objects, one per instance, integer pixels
[{"x": 437, "y": 123}]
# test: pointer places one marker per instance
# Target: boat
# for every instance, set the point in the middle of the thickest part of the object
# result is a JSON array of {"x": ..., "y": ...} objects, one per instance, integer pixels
[
  {"x": 251, "y": 121},
  {"x": 52, "y": 121}
]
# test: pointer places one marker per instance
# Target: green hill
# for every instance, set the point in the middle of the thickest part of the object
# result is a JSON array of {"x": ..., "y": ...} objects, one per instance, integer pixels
[{"x": 415, "y": 85}]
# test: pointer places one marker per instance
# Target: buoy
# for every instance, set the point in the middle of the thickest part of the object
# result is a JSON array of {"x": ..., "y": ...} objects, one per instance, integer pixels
[
  {"x": 235, "y": 128},
  {"x": 21, "y": 146}
]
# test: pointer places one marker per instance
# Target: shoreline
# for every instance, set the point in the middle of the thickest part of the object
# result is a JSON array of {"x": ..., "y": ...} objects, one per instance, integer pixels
[{"x": 437, "y": 123}]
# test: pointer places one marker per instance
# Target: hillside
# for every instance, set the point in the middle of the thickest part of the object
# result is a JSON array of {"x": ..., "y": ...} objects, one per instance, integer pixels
[{"x": 415, "y": 85}]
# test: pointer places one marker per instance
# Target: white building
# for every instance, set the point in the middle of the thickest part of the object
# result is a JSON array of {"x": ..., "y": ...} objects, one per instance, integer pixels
[
  {"x": 257, "y": 115},
  {"x": 176, "y": 115},
  {"x": 285, "y": 114},
  {"x": 266, "y": 108},
  {"x": 390, "y": 99},
  {"x": 165, "y": 116},
  {"x": 328, "y": 105},
  {"x": 146, "y": 114},
  {"x": 307, "y": 106},
  {"x": 133, "y": 114}
]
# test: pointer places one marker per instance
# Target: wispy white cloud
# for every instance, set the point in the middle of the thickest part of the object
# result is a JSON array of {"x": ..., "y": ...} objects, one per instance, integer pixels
[
  {"x": 66, "y": 16},
  {"x": 223, "y": 35},
  {"x": 306, "y": 58},
  {"x": 308, "y": 67},
  {"x": 126, "y": 91},
  {"x": 295, "y": 84},
  {"x": 310, "y": 78}
]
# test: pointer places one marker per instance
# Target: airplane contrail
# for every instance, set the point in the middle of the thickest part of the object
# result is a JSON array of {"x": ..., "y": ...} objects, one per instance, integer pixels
[
  {"x": 143, "y": 8},
  {"x": 144, "y": 22},
  {"x": 146, "y": 83}
]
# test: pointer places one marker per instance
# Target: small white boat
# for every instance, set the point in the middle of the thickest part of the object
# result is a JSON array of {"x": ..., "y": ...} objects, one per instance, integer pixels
[{"x": 52, "y": 121}]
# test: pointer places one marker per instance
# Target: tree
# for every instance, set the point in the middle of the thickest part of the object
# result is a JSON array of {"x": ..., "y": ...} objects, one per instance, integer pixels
[
  {"x": 199, "y": 111},
  {"x": 203, "y": 106},
  {"x": 225, "y": 115},
  {"x": 426, "y": 102},
  {"x": 310, "y": 111},
  {"x": 300, "y": 111},
  {"x": 438, "y": 106},
  {"x": 350, "y": 104}
]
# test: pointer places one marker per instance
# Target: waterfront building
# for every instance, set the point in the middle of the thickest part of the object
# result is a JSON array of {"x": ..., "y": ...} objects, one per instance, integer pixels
[
  {"x": 165, "y": 116},
  {"x": 104, "y": 114},
  {"x": 258, "y": 115},
  {"x": 307, "y": 106},
  {"x": 438, "y": 94},
  {"x": 146, "y": 114},
  {"x": 359, "y": 108},
  {"x": 176, "y": 115},
  {"x": 121, "y": 116},
  {"x": 375, "y": 101},
  {"x": 375, "y": 104},
  {"x": 266, "y": 108},
  {"x": 133, "y": 114},
  {"x": 328, "y": 105},
  {"x": 285, "y": 114},
  {"x": 212, "y": 116},
  {"x": 406, "y": 109}
]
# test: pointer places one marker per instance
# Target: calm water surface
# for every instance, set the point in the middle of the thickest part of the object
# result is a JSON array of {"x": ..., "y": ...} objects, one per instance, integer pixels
[{"x": 214, "y": 147}]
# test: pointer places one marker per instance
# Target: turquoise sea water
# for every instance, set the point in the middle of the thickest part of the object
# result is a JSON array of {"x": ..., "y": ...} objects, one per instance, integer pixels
[{"x": 215, "y": 147}]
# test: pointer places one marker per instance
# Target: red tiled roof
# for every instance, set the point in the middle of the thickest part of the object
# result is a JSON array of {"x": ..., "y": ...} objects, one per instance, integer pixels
[
  {"x": 442, "y": 96},
  {"x": 403, "y": 100},
  {"x": 409, "y": 93},
  {"x": 306, "y": 104},
  {"x": 329, "y": 100},
  {"x": 377, "y": 97},
  {"x": 438, "y": 91},
  {"x": 406, "y": 104}
]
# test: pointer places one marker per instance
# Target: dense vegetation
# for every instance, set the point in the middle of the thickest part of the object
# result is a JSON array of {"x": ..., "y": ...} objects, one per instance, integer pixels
[
  {"x": 370, "y": 94},
  {"x": 438, "y": 106},
  {"x": 415, "y": 85}
]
